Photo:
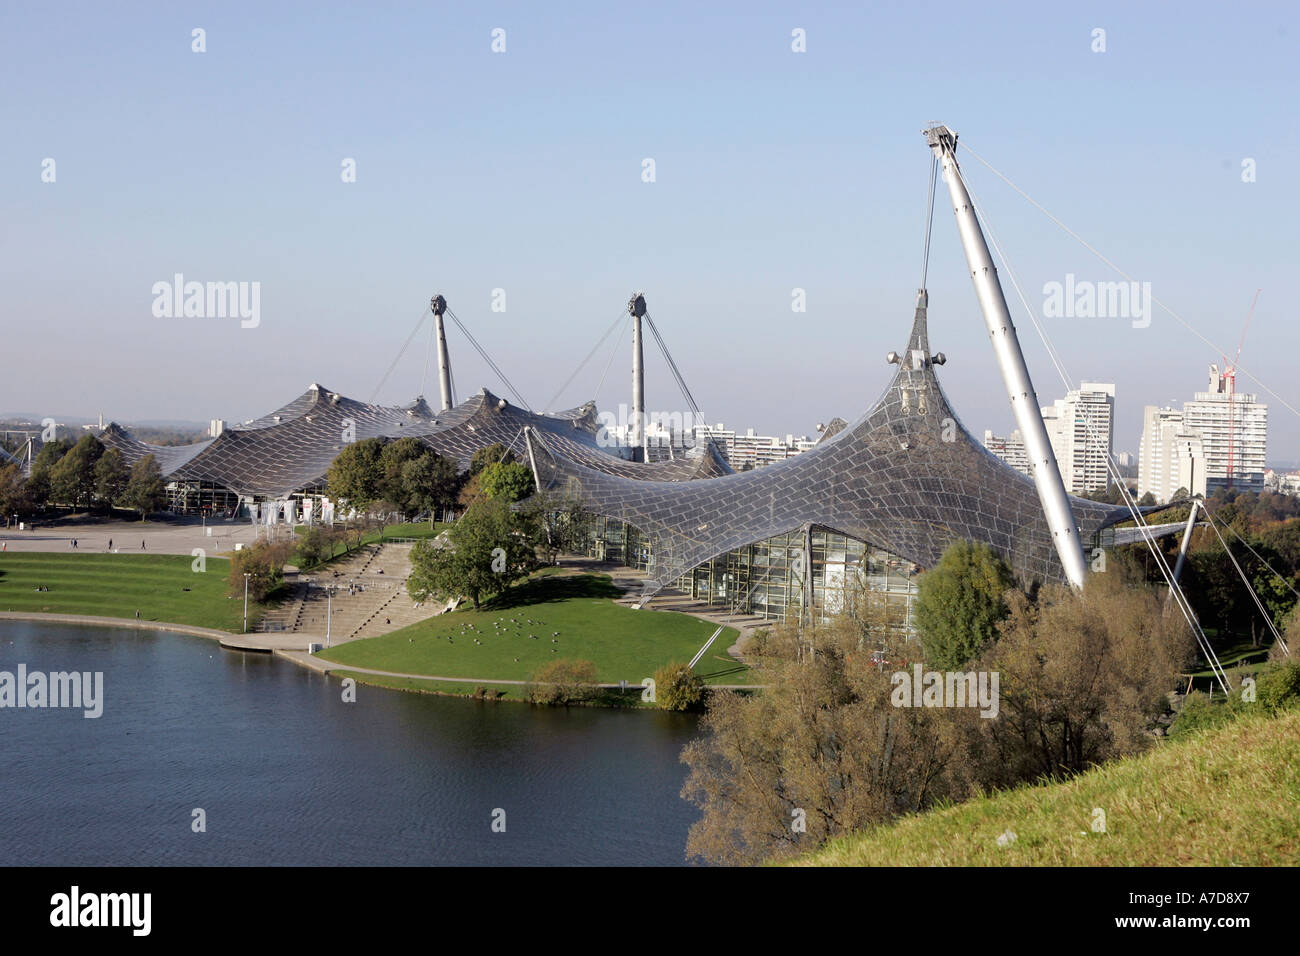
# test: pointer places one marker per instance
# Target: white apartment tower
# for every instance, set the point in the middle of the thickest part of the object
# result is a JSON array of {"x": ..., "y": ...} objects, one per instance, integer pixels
[
  {"x": 1170, "y": 457},
  {"x": 1081, "y": 427},
  {"x": 1236, "y": 429}
]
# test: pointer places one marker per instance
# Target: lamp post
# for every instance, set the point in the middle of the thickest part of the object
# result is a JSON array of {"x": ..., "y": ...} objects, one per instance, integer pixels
[
  {"x": 329, "y": 608},
  {"x": 246, "y": 577}
]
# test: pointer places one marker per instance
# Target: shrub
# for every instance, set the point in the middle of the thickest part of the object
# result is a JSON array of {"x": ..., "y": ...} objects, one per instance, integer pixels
[
  {"x": 677, "y": 687},
  {"x": 314, "y": 546},
  {"x": 563, "y": 682},
  {"x": 264, "y": 564},
  {"x": 1278, "y": 684},
  {"x": 1199, "y": 713}
]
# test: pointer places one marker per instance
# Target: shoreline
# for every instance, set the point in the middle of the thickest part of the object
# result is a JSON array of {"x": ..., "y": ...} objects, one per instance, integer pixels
[{"x": 317, "y": 665}]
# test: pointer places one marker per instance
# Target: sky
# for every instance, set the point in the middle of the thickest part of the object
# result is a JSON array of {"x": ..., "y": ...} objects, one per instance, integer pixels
[{"x": 524, "y": 171}]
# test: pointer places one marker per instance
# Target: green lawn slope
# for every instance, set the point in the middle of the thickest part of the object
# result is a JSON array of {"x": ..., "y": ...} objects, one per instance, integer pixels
[
  {"x": 1226, "y": 797},
  {"x": 163, "y": 587},
  {"x": 623, "y": 644}
]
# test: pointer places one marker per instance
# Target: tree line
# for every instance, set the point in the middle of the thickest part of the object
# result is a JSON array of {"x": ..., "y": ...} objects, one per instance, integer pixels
[{"x": 82, "y": 476}]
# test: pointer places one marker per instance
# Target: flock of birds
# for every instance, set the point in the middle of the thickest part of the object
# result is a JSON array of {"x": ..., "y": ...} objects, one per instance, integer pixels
[{"x": 502, "y": 628}]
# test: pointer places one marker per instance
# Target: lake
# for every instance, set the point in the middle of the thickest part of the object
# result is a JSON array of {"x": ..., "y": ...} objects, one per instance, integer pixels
[{"x": 287, "y": 773}]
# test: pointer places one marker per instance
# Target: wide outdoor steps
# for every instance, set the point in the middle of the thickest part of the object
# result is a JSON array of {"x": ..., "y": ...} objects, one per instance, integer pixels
[{"x": 378, "y": 603}]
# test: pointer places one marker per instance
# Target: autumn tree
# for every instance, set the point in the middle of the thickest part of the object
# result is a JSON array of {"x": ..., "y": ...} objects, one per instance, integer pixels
[
  {"x": 1083, "y": 676},
  {"x": 820, "y": 752}
]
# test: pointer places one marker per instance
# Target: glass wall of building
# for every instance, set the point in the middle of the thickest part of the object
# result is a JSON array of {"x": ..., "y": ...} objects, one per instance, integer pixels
[{"x": 770, "y": 578}]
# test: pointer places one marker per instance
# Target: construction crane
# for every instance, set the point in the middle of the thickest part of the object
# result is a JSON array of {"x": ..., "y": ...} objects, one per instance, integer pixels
[{"x": 1230, "y": 382}]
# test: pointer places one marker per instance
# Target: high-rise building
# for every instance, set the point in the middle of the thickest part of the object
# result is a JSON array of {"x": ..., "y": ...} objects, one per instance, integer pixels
[
  {"x": 1170, "y": 457},
  {"x": 1010, "y": 449},
  {"x": 1231, "y": 427},
  {"x": 1081, "y": 428}
]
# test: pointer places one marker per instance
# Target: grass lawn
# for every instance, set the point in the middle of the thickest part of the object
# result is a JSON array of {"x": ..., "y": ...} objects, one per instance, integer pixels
[
  {"x": 622, "y": 643},
  {"x": 1225, "y": 797},
  {"x": 116, "y": 585}
]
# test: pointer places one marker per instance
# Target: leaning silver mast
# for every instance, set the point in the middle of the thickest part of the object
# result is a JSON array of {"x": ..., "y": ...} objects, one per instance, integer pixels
[{"x": 1011, "y": 362}]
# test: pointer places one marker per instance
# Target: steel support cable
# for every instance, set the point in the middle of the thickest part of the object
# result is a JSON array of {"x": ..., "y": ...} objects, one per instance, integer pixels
[
  {"x": 1162, "y": 564},
  {"x": 929, "y": 220},
  {"x": 681, "y": 381},
  {"x": 1277, "y": 574},
  {"x": 488, "y": 359},
  {"x": 1249, "y": 587},
  {"x": 569, "y": 381},
  {"x": 424, "y": 376},
  {"x": 612, "y": 355},
  {"x": 1184, "y": 605},
  {"x": 672, "y": 367},
  {"x": 1178, "y": 318},
  {"x": 410, "y": 338}
]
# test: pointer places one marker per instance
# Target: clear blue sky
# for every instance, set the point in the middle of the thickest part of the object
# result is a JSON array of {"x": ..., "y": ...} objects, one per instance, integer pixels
[{"x": 522, "y": 171}]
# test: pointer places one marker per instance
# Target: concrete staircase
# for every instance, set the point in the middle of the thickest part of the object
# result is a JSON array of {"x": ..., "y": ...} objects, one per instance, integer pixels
[{"x": 370, "y": 596}]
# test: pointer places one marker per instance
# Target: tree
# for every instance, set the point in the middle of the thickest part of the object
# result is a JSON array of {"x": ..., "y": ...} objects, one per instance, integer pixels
[
  {"x": 145, "y": 490},
  {"x": 355, "y": 477},
  {"x": 111, "y": 477},
  {"x": 1147, "y": 499},
  {"x": 959, "y": 603},
  {"x": 264, "y": 565},
  {"x": 38, "y": 482},
  {"x": 14, "y": 498},
  {"x": 677, "y": 687},
  {"x": 820, "y": 753},
  {"x": 1083, "y": 675},
  {"x": 487, "y": 455},
  {"x": 507, "y": 481},
  {"x": 481, "y": 555},
  {"x": 393, "y": 457},
  {"x": 563, "y": 682},
  {"x": 72, "y": 480},
  {"x": 561, "y": 523},
  {"x": 430, "y": 482}
]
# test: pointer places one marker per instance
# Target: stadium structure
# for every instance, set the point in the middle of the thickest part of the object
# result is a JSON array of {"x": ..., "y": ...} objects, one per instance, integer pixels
[{"x": 861, "y": 513}]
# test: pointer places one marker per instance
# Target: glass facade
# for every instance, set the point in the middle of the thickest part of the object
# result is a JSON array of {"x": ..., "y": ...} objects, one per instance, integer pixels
[{"x": 768, "y": 578}]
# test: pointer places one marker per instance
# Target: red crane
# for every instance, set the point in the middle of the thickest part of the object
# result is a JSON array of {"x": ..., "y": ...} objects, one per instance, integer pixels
[{"x": 1230, "y": 378}]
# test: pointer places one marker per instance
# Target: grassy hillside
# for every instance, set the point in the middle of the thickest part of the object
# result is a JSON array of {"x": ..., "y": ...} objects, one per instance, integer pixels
[
  {"x": 623, "y": 644},
  {"x": 163, "y": 587},
  {"x": 1226, "y": 797}
]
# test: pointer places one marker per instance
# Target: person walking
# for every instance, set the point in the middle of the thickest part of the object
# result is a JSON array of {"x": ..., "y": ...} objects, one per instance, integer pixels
[
  {"x": 142, "y": 544},
  {"x": 110, "y": 544}
]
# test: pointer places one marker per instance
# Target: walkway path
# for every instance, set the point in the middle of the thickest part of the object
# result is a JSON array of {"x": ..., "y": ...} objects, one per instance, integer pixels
[{"x": 326, "y": 667}]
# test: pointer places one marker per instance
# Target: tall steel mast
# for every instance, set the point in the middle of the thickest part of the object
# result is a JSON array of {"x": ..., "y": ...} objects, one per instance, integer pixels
[
  {"x": 1011, "y": 362},
  {"x": 637, "y": 431},
  {"x": 439, "y": 305}
]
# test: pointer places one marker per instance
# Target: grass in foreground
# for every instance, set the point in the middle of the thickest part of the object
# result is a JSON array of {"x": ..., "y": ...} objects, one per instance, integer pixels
[
  {"x": 1226, "y": 797},
  {"x": 116, "y": 585},
  {"x": 622, "y": 643}
]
